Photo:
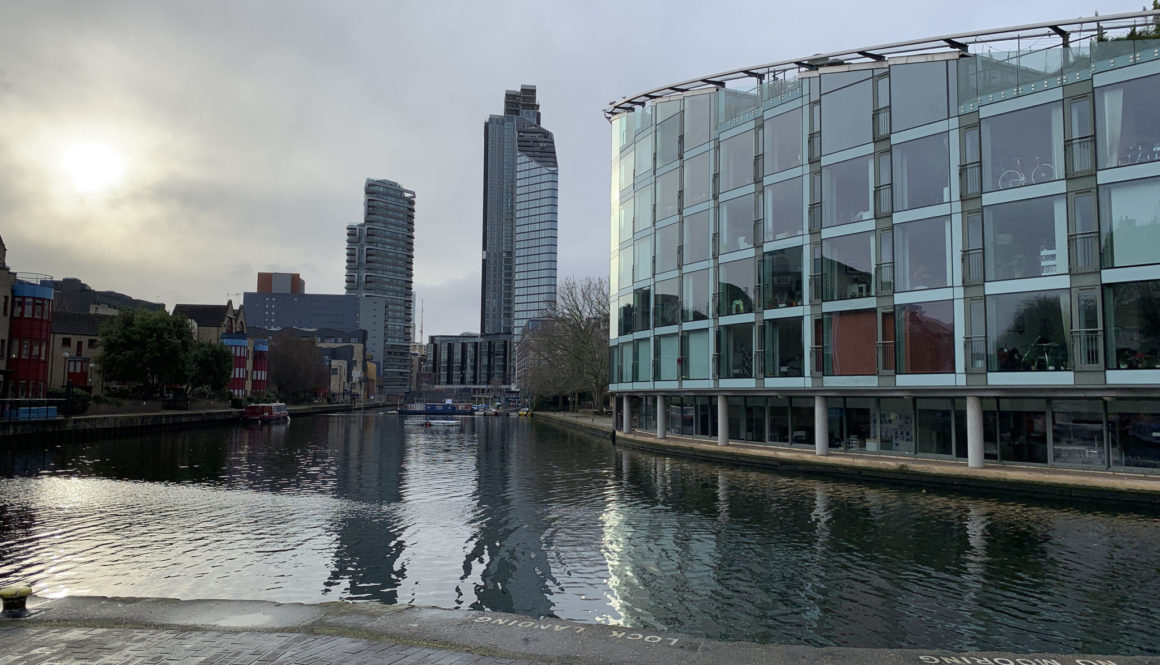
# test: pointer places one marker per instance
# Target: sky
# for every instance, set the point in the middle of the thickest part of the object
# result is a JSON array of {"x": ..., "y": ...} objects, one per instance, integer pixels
[{"x": 171, "y": 150}]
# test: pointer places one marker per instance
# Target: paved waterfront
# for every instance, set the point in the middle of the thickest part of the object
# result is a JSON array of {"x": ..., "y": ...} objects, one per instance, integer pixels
[
  {"x": 107, "y": 630},
  {"x": 1011, "y": 479}
]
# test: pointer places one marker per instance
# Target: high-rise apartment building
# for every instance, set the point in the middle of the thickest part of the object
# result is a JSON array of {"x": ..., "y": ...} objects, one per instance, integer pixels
[
  {"x": 519, "y": 216},
  {"x": 380, "y": 255}
]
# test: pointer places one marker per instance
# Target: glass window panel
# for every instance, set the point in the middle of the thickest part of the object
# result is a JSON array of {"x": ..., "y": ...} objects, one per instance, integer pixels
[
  {"x": 850, "y": 340},
  {"x": 1131, "y": 222},
  {"x": 643, "y": 211},
  {"x": 801, "y": 413},
  {"x": 625, "y": 219},
  {"x": 668, "y": 193},
  {"x": 626, "y": 362},
  {"x": 1023, "y": 430},
  {"x": 668, "y": 140},
  {"x": 784, "y": 208},
  {"x": 925, "y": 338},
  {"x": 736, "y": 161},
  {"x": 919, "y": 94},
  {"x": 698, "y": 179},
  {"x": 778, "y": 419},
  {"x": 933, "y": 425},
  {"x": 698, "y": 119},
  {"x": 782, "y": 278},
  {"x": 641, "y": 309},
  {"x": 848, "y": 191},
  {"x": 644, "y": 156},
  {"x": 1134, "y": 428},
  {"x": 642, "y": 349},
  {"x": 922, "y": 174},
  {"x": 667, "y": 350},
  {"x": 832, "y": 81},
  {"x": 667, "y": 298},
  {"x": 1028, "y": 331},
  {"x": 1023, "y": 147},
  {"x": 613, "y": 320},
  {"x": 735, "y": 345},
  {"x": 846, "y": 115},
  {"x": 921, "y": 254},
  {"x": 626, "y": 170},
  {"x": 626, "y": 314},
  {"x": 1077, "y": 430},
  {"x": 735, "y": 287},
  {"x": 625, "y": 276},
  {"x": 642, "y": 259},
  {"x": 893, "y": 426},
  {"x": 695, "y": 296},
  {"x": 1025, "y": 238},
  {"x": 783, "y": 141},
  {"x": 847, "y": 266},
  {"x": 735, "y": 220},
  {"x": 695, "y": 244},
  {"x": 1127, "y": 126},
  {"x": 695, "y": 358},
  {"x": 784, "y": 352},
  {"x": 667, "y": 238},
  {"x": 1132, "y": 321}
]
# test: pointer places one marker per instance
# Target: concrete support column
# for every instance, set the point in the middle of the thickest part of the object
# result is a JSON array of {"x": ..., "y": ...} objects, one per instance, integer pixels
[
  {"x": 722, "y": 420},
  {"x": 626, "y": 415},
  {"x": 821, "y": 426},
  {"x": 974, "y": 432},
  {"x": 662, "y": 418}
]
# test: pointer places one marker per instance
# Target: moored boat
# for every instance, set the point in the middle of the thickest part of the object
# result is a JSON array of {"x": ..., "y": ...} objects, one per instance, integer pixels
[{"x": 274, "y": 412}]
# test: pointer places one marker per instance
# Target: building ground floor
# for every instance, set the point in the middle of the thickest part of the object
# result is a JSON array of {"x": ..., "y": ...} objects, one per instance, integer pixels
[{"x": 1113, "y": 432}]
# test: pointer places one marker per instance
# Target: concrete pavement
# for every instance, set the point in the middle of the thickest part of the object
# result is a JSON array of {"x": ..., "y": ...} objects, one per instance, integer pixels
[{"x": 75, "y": 630}]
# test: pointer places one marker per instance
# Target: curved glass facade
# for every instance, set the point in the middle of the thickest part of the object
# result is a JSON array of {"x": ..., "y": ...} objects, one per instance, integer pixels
[{"x": 913, "y": 239}]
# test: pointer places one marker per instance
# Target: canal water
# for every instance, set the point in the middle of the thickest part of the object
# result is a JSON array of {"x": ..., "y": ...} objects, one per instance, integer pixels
[{"x": 518, "y": 516}]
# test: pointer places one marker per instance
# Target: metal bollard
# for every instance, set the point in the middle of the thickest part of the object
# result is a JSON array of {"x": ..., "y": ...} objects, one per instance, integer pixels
[{"x": 14, "y": 598}]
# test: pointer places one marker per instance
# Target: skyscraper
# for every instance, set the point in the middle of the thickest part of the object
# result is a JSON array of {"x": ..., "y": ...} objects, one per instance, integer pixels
[
  {"x": 380, "y": 255},
  {"x": 520, "y": 180}
]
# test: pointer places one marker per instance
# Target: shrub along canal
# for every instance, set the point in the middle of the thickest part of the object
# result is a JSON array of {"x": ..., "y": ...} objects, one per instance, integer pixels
[{"x": 516, "y": 516}]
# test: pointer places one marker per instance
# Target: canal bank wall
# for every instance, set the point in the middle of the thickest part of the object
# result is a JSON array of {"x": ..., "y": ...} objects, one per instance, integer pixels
[
  {"x": 84, "y": 629},
  {"x": 994, "y": 479},
  {"x": 83, "y": 428}
]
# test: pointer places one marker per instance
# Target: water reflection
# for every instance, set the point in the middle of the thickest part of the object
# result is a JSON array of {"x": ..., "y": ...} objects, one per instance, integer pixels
[{"x": 522, "y": 517}]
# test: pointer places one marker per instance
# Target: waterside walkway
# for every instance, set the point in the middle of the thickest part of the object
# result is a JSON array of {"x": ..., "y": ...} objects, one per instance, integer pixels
[
  {"x": 1008, "y": 479},
  {"x": 134, "y": 630}
]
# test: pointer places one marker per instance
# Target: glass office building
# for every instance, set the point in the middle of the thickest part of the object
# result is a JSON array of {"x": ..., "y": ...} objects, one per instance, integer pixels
[{"x": 946, "y": 247}]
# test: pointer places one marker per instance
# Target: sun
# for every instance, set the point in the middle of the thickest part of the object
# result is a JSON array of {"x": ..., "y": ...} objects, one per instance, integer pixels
[{"x": 93, "y": 167}]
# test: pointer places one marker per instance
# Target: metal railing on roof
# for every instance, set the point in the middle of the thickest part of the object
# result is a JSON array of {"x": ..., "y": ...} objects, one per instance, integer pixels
[{"x": 1064, "y": 31}]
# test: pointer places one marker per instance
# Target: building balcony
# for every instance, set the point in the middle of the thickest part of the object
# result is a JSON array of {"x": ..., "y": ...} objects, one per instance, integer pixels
[
  {"x": 975, "y": 353},
  {"x": 1087, "y": 348},
  {"x": 886, "y": 357},
  {"x": 815, "y": 146},
  {"x": 884, "y": 278},
  {"x": 1083, "y": 251},
  {"x": 883, "y": 200},
  {"x": 973, "y": 266},
  {"x": 881, "y": 123},
  {"x": 815, "y": 217},
  {"x": 971, "y": 180},
  {"x": 1079, "y": 155}
]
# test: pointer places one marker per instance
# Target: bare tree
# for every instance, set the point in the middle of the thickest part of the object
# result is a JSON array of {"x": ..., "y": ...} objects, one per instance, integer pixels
[{"x": 568, "y": 354}]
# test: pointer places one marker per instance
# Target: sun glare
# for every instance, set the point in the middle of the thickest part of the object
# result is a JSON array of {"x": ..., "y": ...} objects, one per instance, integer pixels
[{"x": 93, "y": 167}]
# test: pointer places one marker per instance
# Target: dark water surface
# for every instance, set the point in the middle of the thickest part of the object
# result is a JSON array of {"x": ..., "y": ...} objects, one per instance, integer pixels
[{"x": 517, "y": 516}]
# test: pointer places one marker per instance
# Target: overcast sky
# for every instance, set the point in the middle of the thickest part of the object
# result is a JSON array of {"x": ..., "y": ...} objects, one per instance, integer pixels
[{"x": 243, "y": 131}]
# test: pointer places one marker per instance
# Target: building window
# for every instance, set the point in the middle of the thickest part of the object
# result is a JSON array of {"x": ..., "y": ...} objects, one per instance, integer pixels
[
  {"x": 782, "y": 278},
  {"x": 848, "y": 342},
  {"x": 735, "y": 220},
  {"x": 666, "y": 240},
  {"x": 1132, "y": 320},
  {"x": 1130, "y": 222},
  {"x": 1134, "y": 426},
  {"x": 847, "y": 99},
  {"x": 642, "y": 259},
  {"x": 624, "y": 315},
  {"x": 698, "y": 119},
  {"x": 1028, "y": 331},
  {"x": 644, "y": 157},
  {"x": 65, "y": 342},
  {"x": 921, "y": 251},
  {"x": 849, "y": 191},
  {"x": 1127, "y": 131},
  {"x": 624, "y": 261},
  {"x": 1025, "y": 238},
  {"x": 918, "y": 94},
  {"x": 925, "y": 337},
  {"x": 695, "y": 354},
  {"x": 694, "y": 296},
  {"x": 784, "y": 353},
  {"x": 667, "y": 349},
  {"x": 667, "y": 302},
  {"x": 624, "y": 217},
  {"x": 735, "y": 351},
  {"x": 735, "y": 292},
  {"x": 736, "y": 161},
  {"x": 642, "y": 353},
  {"x": 668, "y": 139},
  {"x": 668, "y": 192},
  {"x": 783, "y": 209},
  {"x": 695, "y": 244},
  {"x": 847, "y": 266},
  {"x": 783, "y": 142},
  {"x": 642, "y": 215},
  {"x": 641, "y": 309},
  {"x": 1023, "y": 147},
  {"x": 698, "y": 179},
  {"x": 922, "y": 172}
]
